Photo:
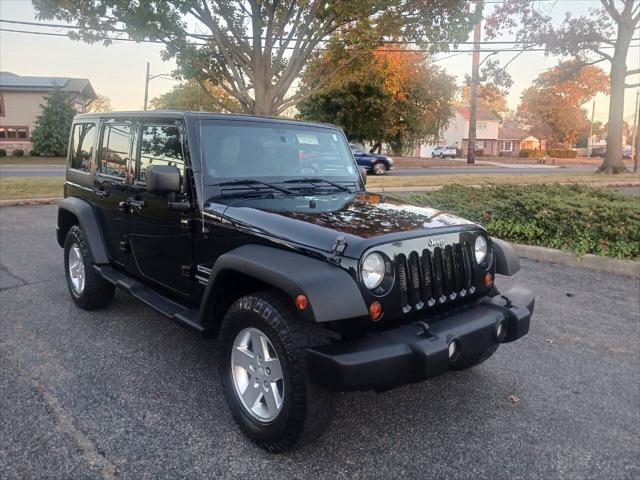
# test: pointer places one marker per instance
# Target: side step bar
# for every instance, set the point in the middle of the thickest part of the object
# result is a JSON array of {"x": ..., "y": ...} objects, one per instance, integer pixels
[{"x": 183, "y": 316}]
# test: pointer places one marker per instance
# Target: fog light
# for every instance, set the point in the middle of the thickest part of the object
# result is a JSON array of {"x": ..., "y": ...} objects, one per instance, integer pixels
[
  {"x": 501, "y": 331},
  {"x": 375, "y": 311},
  {"x": 453, "y": 348}
]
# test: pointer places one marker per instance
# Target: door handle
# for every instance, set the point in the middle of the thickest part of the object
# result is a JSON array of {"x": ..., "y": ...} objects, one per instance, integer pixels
[
  {"x": 101, "y": 193},
  {"x": 139, "y": 204}
]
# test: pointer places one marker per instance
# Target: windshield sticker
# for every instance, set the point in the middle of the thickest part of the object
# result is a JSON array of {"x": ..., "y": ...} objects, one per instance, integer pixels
[
  {"x": 307, "y": 139},
  {"x": 350, "y": 169}
]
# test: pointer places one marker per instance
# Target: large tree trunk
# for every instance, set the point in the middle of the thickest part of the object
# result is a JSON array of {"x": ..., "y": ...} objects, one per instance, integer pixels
[{"x": 613, "y": 162}]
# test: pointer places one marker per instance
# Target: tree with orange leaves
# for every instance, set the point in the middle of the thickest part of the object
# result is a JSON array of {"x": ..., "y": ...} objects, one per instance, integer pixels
[
  {"x": 554, "y": 102},
  {"x": 392, "y": 95}
]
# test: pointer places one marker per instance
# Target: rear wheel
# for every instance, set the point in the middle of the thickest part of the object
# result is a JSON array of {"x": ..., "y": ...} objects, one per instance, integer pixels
[
  {"x": 379, "y": 168},
  {"x": 88, "y": 289},
  {"x": 263, "y": 371}
]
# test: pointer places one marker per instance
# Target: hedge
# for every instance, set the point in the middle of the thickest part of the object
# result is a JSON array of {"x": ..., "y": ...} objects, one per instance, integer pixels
[
  {"x": 569, "y": 217},
  {"x": 18, "y": 152},
  {"x": 562, "y": 153},
  {"x": 3, "y": 152},
  {"x": 527, "y": 153}
]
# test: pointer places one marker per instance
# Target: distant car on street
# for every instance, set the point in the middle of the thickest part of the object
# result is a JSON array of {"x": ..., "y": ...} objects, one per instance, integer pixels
[
  {"x": 443, "y": 151},
  {"x": 373, "y": 163}
]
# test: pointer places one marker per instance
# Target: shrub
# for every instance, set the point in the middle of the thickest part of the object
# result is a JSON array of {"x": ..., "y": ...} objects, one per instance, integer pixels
[
  {"x": 18, "y": 152},
  {"x": 562, "y": 153},
  {"x": 3, "y": 152},
  {"x": 571, "y": 217},
  {"x": 529, "y": 153},
  {"x": 479, "y": 152}
]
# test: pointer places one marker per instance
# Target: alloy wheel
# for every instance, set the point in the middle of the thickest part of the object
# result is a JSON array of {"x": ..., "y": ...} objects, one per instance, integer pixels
[
  {"x": 76, "y": 269},
  {"x": 257, "y": 375}
]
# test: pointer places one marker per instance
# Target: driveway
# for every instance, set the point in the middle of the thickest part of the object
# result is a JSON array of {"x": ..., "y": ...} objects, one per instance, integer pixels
[{"x": 124, "y": 393}]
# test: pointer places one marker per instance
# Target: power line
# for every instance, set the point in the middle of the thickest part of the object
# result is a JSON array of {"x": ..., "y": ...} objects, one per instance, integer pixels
[
  {"x": 400, "y": 50},
  {"x": 204, "y": 36}
]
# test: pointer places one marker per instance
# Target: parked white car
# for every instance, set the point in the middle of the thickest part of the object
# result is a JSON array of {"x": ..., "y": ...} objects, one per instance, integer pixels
[{"x": 444, "y": 152}]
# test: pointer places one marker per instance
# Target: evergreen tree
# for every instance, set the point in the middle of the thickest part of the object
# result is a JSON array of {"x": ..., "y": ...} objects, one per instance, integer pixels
[{"x": 51, "y": 133}]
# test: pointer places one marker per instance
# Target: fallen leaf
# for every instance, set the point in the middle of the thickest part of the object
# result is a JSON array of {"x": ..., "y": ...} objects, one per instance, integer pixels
[
  {"x": 548, "y": 340},
  {"x": 513, "y": 399}
]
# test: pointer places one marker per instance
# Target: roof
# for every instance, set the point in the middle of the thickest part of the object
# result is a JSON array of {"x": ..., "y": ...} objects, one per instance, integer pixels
[
  {"x": 482, "y": 113},
  {"x": 169, "y": 114},
  {"x": 12, "y": 82},
  {"x": 510, "y": 133}
]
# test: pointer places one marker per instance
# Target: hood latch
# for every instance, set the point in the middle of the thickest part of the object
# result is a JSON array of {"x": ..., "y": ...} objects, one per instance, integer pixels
[{"x": 338, "y": 249}]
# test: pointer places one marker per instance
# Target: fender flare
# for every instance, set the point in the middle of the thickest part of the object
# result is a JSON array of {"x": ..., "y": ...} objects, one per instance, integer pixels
[
  {"x": 332, "y": 292},
  {"x": 507, "y": 262},
  {"x": 83, "y": 211}
]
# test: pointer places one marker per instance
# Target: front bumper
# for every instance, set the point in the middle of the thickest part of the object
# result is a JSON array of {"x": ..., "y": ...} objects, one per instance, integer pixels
[{"x": 420, "y": 350}]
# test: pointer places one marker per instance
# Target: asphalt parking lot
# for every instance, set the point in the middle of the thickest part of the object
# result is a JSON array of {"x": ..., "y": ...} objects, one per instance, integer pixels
[{"x": 124, "y": 393}]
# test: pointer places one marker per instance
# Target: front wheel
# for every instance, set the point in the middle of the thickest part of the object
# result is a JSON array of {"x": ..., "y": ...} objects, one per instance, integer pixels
[{"x": 263, "y": 371}]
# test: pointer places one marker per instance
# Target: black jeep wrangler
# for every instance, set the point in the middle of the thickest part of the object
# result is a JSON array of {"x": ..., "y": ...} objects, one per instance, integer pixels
[{"x": 259, "y": 231}]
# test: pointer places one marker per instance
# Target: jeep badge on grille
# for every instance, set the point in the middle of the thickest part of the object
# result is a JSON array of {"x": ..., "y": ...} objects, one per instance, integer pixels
[{"x": 436, "y": 242}]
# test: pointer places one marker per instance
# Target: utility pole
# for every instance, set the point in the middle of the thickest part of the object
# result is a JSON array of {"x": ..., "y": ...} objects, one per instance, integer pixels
[
  {"x": 146, "y": 87},
  {"x": 635, "y": 138},
  {"x": 593, "y": 111},
  {"x": 475, "y": 79}
]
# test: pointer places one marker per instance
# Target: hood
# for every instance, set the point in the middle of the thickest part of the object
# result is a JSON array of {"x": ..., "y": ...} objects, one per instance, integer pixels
[{"x": 316, "y": 221}]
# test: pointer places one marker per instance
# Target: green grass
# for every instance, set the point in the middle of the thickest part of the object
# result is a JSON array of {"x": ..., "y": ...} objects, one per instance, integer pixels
[
  {"x": 12, "y": 188},
  {"x": 578, "y": 218},
  {"x": 33, "y": 161}
]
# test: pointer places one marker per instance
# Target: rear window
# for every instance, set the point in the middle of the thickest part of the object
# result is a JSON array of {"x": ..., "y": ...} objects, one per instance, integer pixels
[{"x": 82, "y": 141}]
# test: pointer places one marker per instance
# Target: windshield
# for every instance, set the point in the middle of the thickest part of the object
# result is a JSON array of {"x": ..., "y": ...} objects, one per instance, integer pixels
[{"x": 274, "y": 152}]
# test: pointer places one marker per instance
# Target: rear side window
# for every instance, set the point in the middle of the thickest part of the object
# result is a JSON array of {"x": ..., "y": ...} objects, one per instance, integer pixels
[
  {"x": 159, "y": 145},
  {"x": 115, "y": 150},
  {"x": 82, "y": 140}
]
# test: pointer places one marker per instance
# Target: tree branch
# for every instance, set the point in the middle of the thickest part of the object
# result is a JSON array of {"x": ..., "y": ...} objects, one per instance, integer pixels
[
  {"x": 632, "y": 85},
  {"x": 633, "y": 72}
]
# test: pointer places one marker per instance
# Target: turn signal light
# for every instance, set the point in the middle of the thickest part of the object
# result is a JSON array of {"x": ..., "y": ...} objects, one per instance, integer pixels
[
  {"x": 488, "y": 279},
  {"x": 302, "y": 302},
  {"x": 375, "y": 311}
]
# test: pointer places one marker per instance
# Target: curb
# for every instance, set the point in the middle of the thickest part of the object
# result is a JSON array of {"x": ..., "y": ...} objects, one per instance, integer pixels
[
  {"x": 628, "y": 268},
  {"x": 29, "y": 201}
]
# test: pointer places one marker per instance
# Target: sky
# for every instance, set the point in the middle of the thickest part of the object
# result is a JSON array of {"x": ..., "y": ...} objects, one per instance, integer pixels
[{"x": 118, "y": 71}]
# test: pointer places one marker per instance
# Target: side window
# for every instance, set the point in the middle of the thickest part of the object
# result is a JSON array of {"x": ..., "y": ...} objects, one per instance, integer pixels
[
  {"x": 159, "y": 145},
  {"x": 84, "y": 135},
  {"x": 115, "y": 150}
]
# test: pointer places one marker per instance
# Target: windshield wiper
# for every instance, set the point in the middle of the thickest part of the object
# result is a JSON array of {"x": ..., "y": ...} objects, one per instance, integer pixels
[
  {"x": 318, "y": 180},
  {"x": 250, "y": 182}
]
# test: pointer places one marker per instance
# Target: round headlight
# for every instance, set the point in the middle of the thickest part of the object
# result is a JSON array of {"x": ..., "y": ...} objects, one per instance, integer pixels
[
  {"x": 373, "y": 270},
  {"x": 481, "y": 249}
]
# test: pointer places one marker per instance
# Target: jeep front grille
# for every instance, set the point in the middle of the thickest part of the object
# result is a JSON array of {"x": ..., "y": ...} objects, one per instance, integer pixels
[{"x": 435, "y": 277}]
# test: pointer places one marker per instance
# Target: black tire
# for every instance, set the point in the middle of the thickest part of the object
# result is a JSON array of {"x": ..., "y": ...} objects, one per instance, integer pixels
[
  {"x": 307, "y": 408},
  {"x": 470, "y": 361},
  {"x": 97, "y": 292}
]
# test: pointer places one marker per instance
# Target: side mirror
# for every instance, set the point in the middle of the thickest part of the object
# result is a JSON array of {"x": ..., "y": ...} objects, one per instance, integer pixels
[
  {"x": 363, "y": 174},
  {"x": 162, "y": 179}
]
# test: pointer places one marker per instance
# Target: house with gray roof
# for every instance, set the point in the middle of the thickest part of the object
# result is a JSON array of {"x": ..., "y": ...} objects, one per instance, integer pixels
[{"x": 20, "y": 100}]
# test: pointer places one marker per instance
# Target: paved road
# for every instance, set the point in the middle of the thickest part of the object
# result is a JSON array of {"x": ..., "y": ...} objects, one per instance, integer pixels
[
  {"x": 32, "y": 170},
  {"x": 58, "y": 170},
  {"x": 123, "y": 392}
]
